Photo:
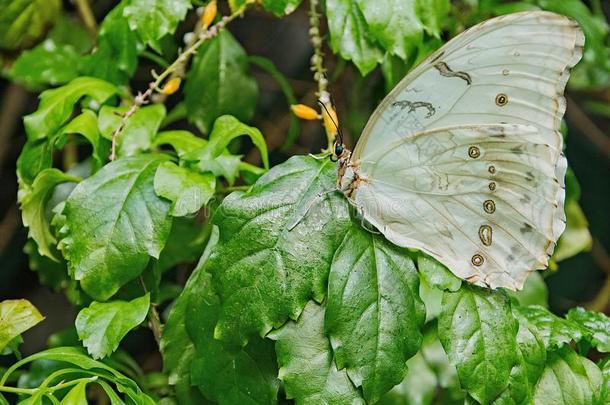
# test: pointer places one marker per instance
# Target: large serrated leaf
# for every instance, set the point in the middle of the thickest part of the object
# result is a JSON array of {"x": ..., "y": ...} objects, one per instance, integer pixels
[
  {"x": 531, "y": 359},
  {"x": 306, "y": 362},
  {"x": 554, "y": 331},
  {"x": 374, "y": 314},
  {"x": 218, "y": 83},
  {"x": 568, "y": 379},
  {"x": 114, "y": 224},
  {"x": 153, "y": 19},
  {"x": 102, "y": 325},
  {"x": 349, "y": 34},
  {"x": 596, "y": 326},
  {"x": 276, "y": 246},
  {"x": 394, "y": 23},
  {"x": 478, "y": 332},
  {"x": 176, "y": 345},
  {"x": 245, "y": 375}
]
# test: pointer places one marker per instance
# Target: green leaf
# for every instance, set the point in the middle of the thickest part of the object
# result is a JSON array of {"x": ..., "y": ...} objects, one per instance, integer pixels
[
  {"x": 102, "y": 325},
  {"x": 57, "y": 105},
  {"x": 349, "y": 35},
  {"x": 306, "y": 363},
  {"x": 436, "y": 274},
  {"x": 16, "y": 316},
  {"x": 34, "y": 210},
  {"x": 176, "y": 345},
  {"x": 372, "y": 299},
  {"x": 56, "y": 60},
  {"x": 535, "y": 291},
  {"x": 139, "y": 131},
  {"x": 77, "y": 395},
  {"x": 50, "y": 273},
  {"x": 116, "y": 55},
  {"x": 153, "y": 19},
  {"x": 184, "y": 244},
  {"x": 246, "y": 375},
  {"x": 226, "y": 128},
  {"x": 187, "y": 190},
  {"x": 37, "y": 155},
  {"x": 531, "y": 359},
  {"x": 568, "y": 379},
  {"x": 86, "y": 124},
  {"x": 596, "y": 326},
  {"x": 78, "y": 358},
  {"x": 394, "y": 24},
  {"x": 418, "y": 387},
  {"x": 432, "y": 14},
  {"x": 225, "y": 165},
  {"x": 218, "y": 83},
  {"x": 281, "y": 7},
  {"x": 22, "y": 22},
  {"x": 429, "y": 376},
  {"x": 554, "y": 331},
  {"x": 276, "y": 246},
  {"x": 114, "y": 223},
  {"x": 46, "y": 64},
  {"x": 183, "y": 142},
  {"x": 478, "y": 332}
]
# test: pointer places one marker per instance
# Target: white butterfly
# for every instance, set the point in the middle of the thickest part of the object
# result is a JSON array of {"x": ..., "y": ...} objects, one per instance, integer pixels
[{"x": 463, "y": 159}]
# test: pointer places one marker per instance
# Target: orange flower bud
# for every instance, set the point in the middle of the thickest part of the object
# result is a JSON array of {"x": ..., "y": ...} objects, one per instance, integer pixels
[
  {"x": 171, "y": 86},
  {"x": 330, "y": 119},
  {"x": 209, "y": 13},
  {"x": 304, "y": 112}
]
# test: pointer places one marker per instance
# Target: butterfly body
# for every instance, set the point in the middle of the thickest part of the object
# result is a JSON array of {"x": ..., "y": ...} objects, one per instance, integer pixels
[{"x": 463, "y": 159}]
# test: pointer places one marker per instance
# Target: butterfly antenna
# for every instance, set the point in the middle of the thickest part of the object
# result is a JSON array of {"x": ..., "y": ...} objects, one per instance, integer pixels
[{"x": 339, "y": 132}]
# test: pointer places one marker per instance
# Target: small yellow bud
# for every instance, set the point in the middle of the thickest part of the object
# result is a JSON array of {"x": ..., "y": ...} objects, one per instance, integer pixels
[
  {"x": 304, "y": 112},
  {"x": 209, "y": 13},
  {"x": 171, "y": 86}
]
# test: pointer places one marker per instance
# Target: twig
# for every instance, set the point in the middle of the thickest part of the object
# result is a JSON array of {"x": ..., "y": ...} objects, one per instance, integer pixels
[
  {"x": 84, "y": 10},
  {"x": 144, "y": 98},
  {"x": 587, "y": 127},
  {"x": 154, "y": 321},
  {"x": 14, "y": 99},
  {"x": 601, "y": 257},
  {"x": 317, "y": 60}
]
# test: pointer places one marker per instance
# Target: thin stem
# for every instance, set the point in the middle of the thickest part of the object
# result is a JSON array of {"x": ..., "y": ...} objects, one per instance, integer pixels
[
  {"x": 84, "y": 10},
  {"x": 155, "y": 58},
  {"x": 317, "y": 60},
  {"x": 154, "y": 321},
  {"x": 31, "y": 391},
  {"x": 144, "y": 98}
]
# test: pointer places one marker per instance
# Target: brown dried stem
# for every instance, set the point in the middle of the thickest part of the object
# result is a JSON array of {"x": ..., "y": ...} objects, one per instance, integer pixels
[
  {"x": 144, "y": 98},
  {"x": 317, "y": 60}
]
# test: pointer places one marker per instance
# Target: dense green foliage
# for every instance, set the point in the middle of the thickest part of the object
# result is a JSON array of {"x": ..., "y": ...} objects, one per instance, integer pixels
[{"x": 292, "y": 299}]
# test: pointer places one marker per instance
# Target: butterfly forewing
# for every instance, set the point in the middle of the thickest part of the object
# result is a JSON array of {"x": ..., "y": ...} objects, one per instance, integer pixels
[{"x": 463, "y": 159}]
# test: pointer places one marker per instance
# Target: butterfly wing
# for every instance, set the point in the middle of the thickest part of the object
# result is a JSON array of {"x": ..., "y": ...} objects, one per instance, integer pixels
[{"x": 463, "y": 159}]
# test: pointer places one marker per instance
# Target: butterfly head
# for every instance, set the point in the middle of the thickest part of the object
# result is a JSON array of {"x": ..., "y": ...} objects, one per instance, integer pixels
[{"x": 339, "y": 151}]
